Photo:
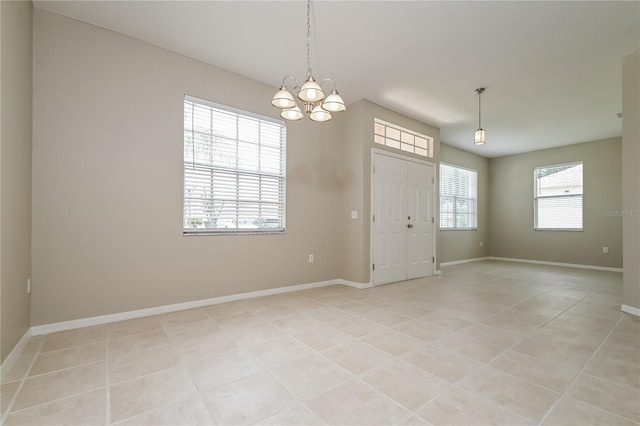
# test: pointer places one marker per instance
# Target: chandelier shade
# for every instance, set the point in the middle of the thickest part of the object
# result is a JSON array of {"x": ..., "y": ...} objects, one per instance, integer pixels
[
  {"x": 334, "y": 102},
  {"x": 319, "y": 114},
  {"x": 310, "y": 91},
  {"x": 283, "y": 99},
  {"x": 291, "y": 114},
  {"x": 310, "y": 98}
]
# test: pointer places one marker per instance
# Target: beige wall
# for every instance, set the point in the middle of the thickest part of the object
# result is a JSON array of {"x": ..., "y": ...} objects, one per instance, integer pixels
[
  {"x": 460, "y": 244},
  {"x": 359, "y": 132},
  {"x": 107, "y": 182},
  {"x": 15, "y": 154},
  {"x": 354, "y": 253},
  {"x": 631, "y": 177},
  {"x": 511, "y": 206}
]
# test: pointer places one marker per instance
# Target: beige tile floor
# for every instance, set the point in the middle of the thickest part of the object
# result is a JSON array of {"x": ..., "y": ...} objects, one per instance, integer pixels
[{"x": 485, "y": 343}]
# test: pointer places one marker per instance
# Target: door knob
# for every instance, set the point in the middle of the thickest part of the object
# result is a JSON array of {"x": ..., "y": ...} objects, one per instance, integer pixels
[{"x": 409, "y": 225}]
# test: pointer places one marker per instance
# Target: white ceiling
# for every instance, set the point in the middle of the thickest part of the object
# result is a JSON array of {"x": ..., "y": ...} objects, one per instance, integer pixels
[{"x": 551, "y": 69}]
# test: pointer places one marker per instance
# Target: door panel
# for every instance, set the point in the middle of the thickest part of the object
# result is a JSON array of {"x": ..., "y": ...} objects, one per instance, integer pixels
[
  {"x": 402, "y": 229},
  {"x": 389, "y": 193},
  {"x": 420, "y": 217}
]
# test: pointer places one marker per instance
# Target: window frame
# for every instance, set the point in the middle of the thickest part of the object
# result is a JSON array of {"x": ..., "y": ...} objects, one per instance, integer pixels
[
  {"x": 536, "y": 197},
  {"x": 283, "y": 176},
  {"x": 475, "y": 216}
]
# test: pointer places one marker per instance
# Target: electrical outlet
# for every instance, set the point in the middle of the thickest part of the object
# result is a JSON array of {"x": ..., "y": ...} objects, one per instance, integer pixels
[
  {"x": 605, "y": 250},
  {"x": 310, "y": 258},
  {"x": 28, "y": 285},
  {"x": 354, "y": 214}
]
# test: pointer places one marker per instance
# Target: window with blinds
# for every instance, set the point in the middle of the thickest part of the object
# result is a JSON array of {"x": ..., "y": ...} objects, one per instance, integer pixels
[
  {"x": 558, "y": 197},
  {"x": 458, "y": 197},
  {"x": 234, "y": 170}
]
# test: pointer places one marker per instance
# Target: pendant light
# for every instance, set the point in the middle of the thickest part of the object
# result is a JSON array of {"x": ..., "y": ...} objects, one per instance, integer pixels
[
  {"x": 480, "y": 135},
  {"x": 309, "y": 98}
]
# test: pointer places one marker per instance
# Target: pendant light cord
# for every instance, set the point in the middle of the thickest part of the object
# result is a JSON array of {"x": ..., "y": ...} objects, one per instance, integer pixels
[{"x": 479, "y": 110}]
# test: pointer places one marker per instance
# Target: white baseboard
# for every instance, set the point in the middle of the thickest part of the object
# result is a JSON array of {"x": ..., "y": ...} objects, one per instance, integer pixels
[
  {"x": 458, "y": 262},
  {"x": 631, "y": 310},
  {"x": 14, "y": 354},
  {"x": 121, "y": 316},
  {"x": 361, "y": 286},
  {"x": 566, "y": 265}
]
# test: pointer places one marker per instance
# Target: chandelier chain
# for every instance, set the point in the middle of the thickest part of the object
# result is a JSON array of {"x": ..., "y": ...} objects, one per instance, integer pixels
[{"x": 309, "y": 38}]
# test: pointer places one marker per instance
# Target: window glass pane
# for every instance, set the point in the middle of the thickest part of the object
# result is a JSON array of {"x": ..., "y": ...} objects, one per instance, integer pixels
[
  {"x": 378, "y": 139},
  {"x": 406, "y": 147},
  {"x": 393, "y": 143},
  {"x": 421, "y": 142},
  {"x": 393, "y": 133},
  {"x": 378, "y": 129},
  {"x": 407, "y": 138}
]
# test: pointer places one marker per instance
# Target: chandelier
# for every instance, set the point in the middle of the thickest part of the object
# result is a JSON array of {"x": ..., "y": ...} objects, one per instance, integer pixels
[
  {"x": 480, "y": 134},
  {"x": 310, "y": 97}
]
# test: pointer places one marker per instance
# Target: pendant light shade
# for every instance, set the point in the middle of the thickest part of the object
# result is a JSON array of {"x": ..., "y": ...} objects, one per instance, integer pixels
[
  {"x": 292, "y": 114},
  {"x": 283, "y": 99},
  {"x": 480, "y": 135},
  {"x": 334, "y": 102},
  {"x": 311, "y": 91},
  {"x": 319, "y": 114},
  {"x": 310, "y": 98}
]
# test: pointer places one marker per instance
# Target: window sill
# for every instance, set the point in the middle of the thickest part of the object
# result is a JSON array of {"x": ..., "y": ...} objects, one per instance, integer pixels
[
  {"x": 559, "y": 229},
  {"x": 217, "y": 234}
]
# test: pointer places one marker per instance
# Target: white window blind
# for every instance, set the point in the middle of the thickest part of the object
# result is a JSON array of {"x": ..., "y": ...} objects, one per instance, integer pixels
[
  {"x": 558, "y": 197},
  {"x": 458, "y": 197},
  {"x": 234, "y": 170}
]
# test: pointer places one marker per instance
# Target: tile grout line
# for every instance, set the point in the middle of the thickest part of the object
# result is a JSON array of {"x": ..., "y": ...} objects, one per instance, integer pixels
[
  {"x": 107, "y": 413},
  {"x": 193, "y": 383},
  {"x": 22, "y": 382},
  {"x": 566, "y": 389}
]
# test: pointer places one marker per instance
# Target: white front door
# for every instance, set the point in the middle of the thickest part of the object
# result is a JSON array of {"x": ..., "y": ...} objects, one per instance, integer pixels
[{"x": 402, "y": 221}]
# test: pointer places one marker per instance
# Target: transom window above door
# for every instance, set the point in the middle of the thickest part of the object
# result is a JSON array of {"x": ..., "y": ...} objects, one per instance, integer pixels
[{"x": 403, "y": 139}]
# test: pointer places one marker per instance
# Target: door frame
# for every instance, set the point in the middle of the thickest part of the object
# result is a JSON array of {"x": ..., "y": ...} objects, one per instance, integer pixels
[{"x": 377, "y": 151}]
